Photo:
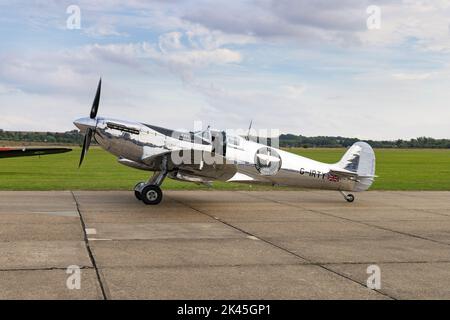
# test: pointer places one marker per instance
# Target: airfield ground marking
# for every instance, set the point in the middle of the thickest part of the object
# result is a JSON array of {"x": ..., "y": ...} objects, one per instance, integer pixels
[
  {"x": 88, "y": 248},
  {"x": 90, "y": 231},
  {"x": 284, "y": 249}
]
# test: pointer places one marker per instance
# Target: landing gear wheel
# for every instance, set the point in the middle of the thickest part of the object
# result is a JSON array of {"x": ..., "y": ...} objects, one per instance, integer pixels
[
  {"x": 137, "y": 192},
  {"x": 350, "y": 198},
  {"x": 151, "y": 194}
]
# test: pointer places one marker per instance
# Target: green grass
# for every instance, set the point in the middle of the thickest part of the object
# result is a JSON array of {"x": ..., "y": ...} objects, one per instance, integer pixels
[
  {"x": 401, "y": 169},
  {"x": 397, "y": 170},
  {"x": 100, "y": 171}
]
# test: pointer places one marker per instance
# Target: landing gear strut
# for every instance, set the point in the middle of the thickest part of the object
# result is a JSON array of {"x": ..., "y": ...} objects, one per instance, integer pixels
[
  {"x": 349, "y": 197},
  {"x": 150, "y": 192}
]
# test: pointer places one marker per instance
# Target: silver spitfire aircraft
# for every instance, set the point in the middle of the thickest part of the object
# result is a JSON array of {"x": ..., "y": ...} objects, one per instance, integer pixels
[{"x": 205, "y": 156}]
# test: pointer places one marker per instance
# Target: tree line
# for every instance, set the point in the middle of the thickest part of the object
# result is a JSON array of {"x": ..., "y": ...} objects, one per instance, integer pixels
[
  {"x": 290, "y": 140},
  {"x": 69, "y": 137},
  {"x": 286, "y": 140}
]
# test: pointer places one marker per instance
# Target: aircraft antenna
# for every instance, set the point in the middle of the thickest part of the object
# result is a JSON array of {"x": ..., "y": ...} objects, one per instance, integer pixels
[{"x": 249, "y": 128}]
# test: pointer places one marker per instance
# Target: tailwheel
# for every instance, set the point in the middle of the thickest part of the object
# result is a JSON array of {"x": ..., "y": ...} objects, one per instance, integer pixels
[
  {"x": 137, "y": 190},
  {"x": 348, "y": 197},
  {"x": 151, "y": 194}
]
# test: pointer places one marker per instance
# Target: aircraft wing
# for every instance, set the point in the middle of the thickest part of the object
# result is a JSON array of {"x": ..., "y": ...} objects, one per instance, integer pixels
[
  {"x": 27, "y": 152},
  {"x": 191, "y": 165}
]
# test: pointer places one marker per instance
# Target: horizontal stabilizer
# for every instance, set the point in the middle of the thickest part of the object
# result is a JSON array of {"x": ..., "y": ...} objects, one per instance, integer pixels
[{"x": 349, "y": 174}]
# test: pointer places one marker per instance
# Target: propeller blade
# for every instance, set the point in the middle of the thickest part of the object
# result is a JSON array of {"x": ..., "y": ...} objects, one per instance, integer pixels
[
  {"x": 94, "y": 108},
  {"x": 86, "y": 144}
]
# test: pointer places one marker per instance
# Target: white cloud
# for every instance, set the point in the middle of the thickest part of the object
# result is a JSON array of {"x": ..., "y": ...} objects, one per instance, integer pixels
[
  {"x": 237, "y": 61},
  {"x": 421, "y": 25},
  {"x": 170, "y": 41},
  {"x": 7, "y": 89},
  {"x": 326, "y": 22},
  {"x": 412, "y": 76},
  {"x": 295, "y": 91},
  {"x": 103, "y": 30}
]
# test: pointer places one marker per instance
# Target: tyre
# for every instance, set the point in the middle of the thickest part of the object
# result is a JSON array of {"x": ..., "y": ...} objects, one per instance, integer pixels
[
  {"x": 137, "y": 192},
  {"x": 350, "y": 198},
  {"x": 151, "y": 194}
]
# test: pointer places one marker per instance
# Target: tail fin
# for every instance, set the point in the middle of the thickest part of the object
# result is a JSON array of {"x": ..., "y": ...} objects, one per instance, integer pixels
[{"x": 360, "y": 159}]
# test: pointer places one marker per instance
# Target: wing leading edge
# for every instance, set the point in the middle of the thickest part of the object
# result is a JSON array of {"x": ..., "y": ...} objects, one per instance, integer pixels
[{"x": 28, "y": 152}]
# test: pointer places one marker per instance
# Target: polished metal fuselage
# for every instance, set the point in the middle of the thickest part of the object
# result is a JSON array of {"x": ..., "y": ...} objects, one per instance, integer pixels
[{"x": 142, "y": 146}]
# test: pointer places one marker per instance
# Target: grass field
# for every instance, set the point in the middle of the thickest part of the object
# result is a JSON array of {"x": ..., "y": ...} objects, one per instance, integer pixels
[
  {"x": 402, "y": 169},
  {"x": 397, "y": 170}
]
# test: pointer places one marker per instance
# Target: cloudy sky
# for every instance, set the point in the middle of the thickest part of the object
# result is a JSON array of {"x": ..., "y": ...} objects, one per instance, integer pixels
[{"x": 303, "y": 67}]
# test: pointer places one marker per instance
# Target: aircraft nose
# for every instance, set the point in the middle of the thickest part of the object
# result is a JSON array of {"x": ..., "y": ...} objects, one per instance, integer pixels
[{"x": 84, "y": 123}]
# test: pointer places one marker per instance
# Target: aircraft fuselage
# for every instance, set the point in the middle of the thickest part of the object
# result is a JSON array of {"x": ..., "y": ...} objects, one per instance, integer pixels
[{"x": 235, "y": 158}]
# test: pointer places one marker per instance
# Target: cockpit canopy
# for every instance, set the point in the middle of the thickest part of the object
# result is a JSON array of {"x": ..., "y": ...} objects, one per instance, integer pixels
[{"x": 204, "y": 135}]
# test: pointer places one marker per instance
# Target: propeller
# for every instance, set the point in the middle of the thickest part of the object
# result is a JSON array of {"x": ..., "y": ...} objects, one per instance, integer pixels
[
  {"x": 94, "y": 108},
  {"x": 89, "y": 130}
]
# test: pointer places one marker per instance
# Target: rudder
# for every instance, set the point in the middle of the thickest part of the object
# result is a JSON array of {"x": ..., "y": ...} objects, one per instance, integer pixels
[{"x": 360, "y": 159}]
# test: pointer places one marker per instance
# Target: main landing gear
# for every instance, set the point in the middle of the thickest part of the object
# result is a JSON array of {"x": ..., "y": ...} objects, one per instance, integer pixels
[
  {"x": 150, "y": 192},
  {"x": 349, "y": 197}
]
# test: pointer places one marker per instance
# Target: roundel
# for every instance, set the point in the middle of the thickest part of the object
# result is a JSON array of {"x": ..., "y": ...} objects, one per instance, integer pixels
[{"x": 267, "y": 161}]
